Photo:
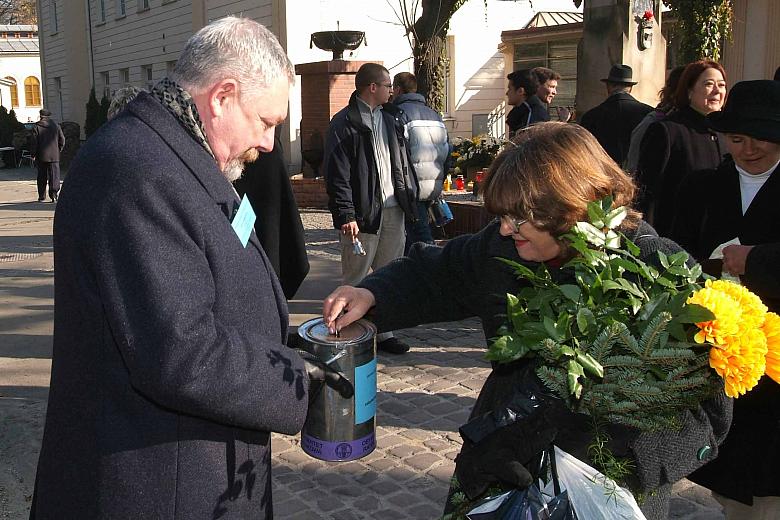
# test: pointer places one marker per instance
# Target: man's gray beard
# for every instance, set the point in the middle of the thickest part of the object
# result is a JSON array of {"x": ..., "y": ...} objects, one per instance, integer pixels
[{"x": 235, "y": 167}]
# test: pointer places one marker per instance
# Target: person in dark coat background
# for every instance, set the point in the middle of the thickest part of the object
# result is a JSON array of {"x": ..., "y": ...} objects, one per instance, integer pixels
[
  {"x": 680, "y": 144},
  {"x": 48, "y": 141},
  {"x": 740, "y": 200},
  {"x": 278, "y": 226},
  {"x": 169, "y": 368},
  {"x": 541, "y": 187},
  {"x": 612, "y": 122}
]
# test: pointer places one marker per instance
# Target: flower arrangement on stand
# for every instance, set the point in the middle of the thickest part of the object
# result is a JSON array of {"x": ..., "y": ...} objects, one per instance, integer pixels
[
  {"x": 629, "y": 343},
  {"x": 469, "y": 155}
]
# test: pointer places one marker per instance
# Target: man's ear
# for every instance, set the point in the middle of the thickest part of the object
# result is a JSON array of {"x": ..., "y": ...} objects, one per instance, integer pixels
[{"x": 221, "y": 94}]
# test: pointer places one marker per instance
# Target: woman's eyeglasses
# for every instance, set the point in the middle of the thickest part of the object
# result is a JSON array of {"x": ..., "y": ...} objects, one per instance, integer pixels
[{"x": 514, "y": 223}]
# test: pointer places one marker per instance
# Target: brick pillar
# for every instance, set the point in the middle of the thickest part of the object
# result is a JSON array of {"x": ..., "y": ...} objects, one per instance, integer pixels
[{"x": 325, "y": 89}]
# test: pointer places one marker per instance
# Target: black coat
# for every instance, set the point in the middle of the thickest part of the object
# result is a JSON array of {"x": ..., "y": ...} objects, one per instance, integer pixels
[
  {"x": 527, "y": 113},
  {"x": 612, "y": 122},
  {"x": 169, "y": 371},
  {"x": 671, "y": 150},
  {"x": 711, "y": 214},
  {"x": 465, "y": 279},
  {"x": 278, "y": 226},
  {"x": 351, "y": 172},
  {"x": 48, "y": 140}
]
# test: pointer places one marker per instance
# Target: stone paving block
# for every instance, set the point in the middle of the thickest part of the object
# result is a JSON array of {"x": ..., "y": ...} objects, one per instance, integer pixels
[
  {"x": 423, "y": 461},
  {"x": 300, "y": 485},
  {"x": 348, "y": 491},
  {"x": 330, "y": 479},
  {"x": 294, "y": 457},
  {"x": 443, "y": 408},
  {"x": 366, "y": 503},
  {"x": 384, "y": 487},
  {"x": 389, "y": 514},
  {"x": 405, "y": 499},
  {"x": 400, "y": 474},
  {"x": 442, "y": 472},
  {"x": 404, "y": 450},
  {"x": 366, "y": 478},
  {"x": 382, "y": 465},
  {"x": 452, "y": 454},
  {"x": 329, "y": 503},
  {"x": 347, "y": 514},
  {"x": 437, "y": 444},
  {"x": 396, "y": 407},
  {"x": 427, "y": 511},
  {"x": 439, "y": 385},
  {"x": 388, "y": 441},
  {"x": 394, "y": 386},
  {"x": 417, "y": 435},
  {"x": 289, "y": 507},
  {"x": 286, "y": 478}
]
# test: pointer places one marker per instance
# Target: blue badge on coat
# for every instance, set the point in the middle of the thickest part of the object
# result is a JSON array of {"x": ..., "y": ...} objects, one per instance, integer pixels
[{"x": 244, "y": 220}]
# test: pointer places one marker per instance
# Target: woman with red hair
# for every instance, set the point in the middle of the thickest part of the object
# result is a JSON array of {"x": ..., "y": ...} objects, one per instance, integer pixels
[{"x": 680, "y": 144}]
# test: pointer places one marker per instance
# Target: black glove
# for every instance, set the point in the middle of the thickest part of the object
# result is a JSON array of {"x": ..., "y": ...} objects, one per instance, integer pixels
[
  {"x": 320, "y": 373},
  {"x": 502, "y": 455}
]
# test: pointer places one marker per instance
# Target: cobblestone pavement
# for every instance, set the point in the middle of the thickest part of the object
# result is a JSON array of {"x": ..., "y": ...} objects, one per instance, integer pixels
[{"x": 423, "y": 397}]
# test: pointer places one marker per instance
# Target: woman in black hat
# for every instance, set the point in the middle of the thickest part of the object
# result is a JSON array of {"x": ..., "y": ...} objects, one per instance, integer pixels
[
  {"x": 739, "y": 200},
  {"x": 680, "y": 144}
]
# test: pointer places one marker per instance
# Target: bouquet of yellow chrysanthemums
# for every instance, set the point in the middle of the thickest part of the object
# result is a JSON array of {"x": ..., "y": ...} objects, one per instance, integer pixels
[
  {"x": 631, "y": 340},
  {"x": 744, "y": 338}
]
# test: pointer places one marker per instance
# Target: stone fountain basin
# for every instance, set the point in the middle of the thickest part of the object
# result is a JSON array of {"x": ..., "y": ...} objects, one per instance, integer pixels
[{"x": 337, "y": 41}]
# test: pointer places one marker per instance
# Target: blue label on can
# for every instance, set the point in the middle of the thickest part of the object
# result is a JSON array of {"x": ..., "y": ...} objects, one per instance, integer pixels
[{"x": 365, "y": 392}]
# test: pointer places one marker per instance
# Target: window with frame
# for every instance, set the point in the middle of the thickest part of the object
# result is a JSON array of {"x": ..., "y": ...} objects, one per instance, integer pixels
[
  {"x": 143, "y": 5},
  {"x": 58, "y": 90},
  {"x": 170, "y": 67},
  {"x": 121, "y": 8},
  {"x": 124, "y": 77},
  {"x": 14, "y": 92},
  {"x": 106, "y": 77},
  {"x": 32, "y": 91},
  {"x": 55, "y": 23},
  {"x": 558, "y": 55},
  {"x": 147, "y": 74}
]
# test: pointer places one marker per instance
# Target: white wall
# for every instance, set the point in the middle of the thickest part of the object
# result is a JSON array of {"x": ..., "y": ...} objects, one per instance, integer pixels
[{"x": 19, "y": 68}]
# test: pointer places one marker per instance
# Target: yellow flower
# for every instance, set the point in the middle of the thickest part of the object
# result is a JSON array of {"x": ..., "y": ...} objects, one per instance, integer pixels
[
  {"x": 455, "y": 154},
  {"x": 771, "y": 330},
  {"x": 741, "y": 361},
  {"x": 727, "y": 315},
  {"x": 753, "y": 310}
]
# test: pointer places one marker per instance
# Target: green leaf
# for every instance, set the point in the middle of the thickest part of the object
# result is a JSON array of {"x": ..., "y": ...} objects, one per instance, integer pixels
[
  {"x": 572, "y": 292},
  {"x": 631, "y": 267},
  {"x": 655, "y": 304},
  {"x": 596, "y": 214},
  {"x": 693, "y": 313},
  {"x": 589, "y": 364},
  {"x": 663, "y": 259},
  {"x": 585, "y": 319},
  {"x": 665, "y": 282},
  {"x": 574, "y": 371},
  {"x": 615, "y": 217},
  {"x": 550, "y": 327}
]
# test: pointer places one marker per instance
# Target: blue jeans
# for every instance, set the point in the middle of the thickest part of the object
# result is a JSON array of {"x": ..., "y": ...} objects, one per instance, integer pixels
[{"x": 420, "y": 231}]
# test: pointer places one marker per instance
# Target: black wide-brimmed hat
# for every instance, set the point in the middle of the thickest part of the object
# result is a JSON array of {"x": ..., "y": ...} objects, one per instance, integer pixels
[
  {"x": 44, "y": 112},
  {"x": 620, "y": 74},
  {"x": 752, "y": 108}
]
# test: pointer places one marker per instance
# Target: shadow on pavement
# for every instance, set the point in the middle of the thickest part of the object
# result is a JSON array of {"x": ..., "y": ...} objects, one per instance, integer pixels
[
  {"x": 25, "y": 346},
  {"x": 29, "y": 392}
]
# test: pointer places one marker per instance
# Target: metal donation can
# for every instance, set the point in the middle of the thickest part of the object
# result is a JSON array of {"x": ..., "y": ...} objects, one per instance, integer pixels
[{"x": 336, "y": 428}]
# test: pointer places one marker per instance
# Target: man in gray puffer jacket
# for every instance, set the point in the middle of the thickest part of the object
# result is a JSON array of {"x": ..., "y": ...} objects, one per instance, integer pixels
[{"x": 429, "y": 151}]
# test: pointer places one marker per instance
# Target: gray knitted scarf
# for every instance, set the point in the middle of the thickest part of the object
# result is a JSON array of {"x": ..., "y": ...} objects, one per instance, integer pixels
[{"x": 179, "y": 103}]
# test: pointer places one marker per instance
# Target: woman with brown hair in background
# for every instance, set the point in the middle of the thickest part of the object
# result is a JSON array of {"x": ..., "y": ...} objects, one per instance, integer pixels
[{"x": 680, "y": 144}]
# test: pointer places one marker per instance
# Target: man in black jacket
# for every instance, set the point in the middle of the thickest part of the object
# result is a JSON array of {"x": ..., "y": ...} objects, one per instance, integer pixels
[
  {"x": 371, "y": 187},
  {"x": 521, "y": 93},
  {"x": 612, "y": 121},
  {"x": 48, "y": 141}
]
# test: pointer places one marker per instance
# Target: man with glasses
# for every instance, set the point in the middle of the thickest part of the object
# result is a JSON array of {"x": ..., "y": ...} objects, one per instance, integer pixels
[{"x": 371, "y": 187}]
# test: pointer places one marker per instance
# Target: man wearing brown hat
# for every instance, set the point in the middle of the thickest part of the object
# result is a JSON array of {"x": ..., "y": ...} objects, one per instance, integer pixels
[
  {"x": 612, "y": 121},
  {"x": 48, "y": 141}
]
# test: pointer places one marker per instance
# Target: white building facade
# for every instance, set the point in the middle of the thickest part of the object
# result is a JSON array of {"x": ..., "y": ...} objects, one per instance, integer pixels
[
  {"x": 20, "y": 71},
  {"x": 112, "y": 43}
]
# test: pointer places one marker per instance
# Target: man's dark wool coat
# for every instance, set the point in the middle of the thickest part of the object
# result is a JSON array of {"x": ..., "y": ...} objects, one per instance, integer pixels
[
  {"x": 711, "y": 214},
  {"x": 169, "y": 370},
  {"x": 612, "y": 122}
]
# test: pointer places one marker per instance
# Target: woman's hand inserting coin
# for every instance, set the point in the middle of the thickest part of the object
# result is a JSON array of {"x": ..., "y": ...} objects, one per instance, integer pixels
[{"x": 346, "y": 305}]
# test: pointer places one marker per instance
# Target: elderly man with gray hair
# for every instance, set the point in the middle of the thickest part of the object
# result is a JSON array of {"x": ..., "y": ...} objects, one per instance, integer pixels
[{"x": 169, "y": 368}]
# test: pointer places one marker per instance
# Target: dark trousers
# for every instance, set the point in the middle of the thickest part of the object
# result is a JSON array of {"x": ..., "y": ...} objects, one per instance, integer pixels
[
  {"x": 420, "y": 231},
  {"x": 48, "y": 172}
]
